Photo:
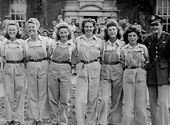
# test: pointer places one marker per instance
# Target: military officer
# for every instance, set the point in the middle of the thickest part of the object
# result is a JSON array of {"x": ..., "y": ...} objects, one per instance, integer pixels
[{"x": 158, "y": 77}]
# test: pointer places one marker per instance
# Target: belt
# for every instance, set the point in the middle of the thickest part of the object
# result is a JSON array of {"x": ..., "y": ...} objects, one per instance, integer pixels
[
  {"x": 61, "y": 61},
  {"x": 133, "y": 67},
  {"x": 112, "y": 63},
  {"x": 37, "y": 60},
  {"x": 14, "y": 61},
  {"x": 87, "y": 62}
]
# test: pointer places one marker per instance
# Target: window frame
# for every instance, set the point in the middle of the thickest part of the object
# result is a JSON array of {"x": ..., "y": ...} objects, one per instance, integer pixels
[
  {"x": 163, "y": 10},
  {"x": 18, "y": 10}
]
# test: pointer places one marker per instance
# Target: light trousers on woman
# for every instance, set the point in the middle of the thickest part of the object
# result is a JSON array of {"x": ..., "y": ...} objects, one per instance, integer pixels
[
  {"x": 87, "y": 93},
  {"x": 135, "y": 97}
]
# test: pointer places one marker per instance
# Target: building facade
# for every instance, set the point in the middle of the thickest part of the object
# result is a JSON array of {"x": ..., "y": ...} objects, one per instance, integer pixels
[{"x": 76, "y": 10}]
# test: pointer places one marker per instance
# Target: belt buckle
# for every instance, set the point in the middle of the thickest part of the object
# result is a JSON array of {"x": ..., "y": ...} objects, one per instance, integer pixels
[{"x": 15, "y": 62}]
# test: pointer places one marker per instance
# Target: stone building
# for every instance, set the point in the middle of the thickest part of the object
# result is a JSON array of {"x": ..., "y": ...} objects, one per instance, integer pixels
[{"x": 77, "y": 10}]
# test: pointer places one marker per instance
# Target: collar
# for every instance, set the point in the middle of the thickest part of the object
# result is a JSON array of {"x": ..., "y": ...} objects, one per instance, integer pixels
[
  {"x": 39, "y": 38},
  {"x": 93, "y": 37},
  {"x": 136, "y": 47},
  {"x": 16, "y": 41},
  {"x": 116, "y": 42},
  {"x": 67, "y": 43}
]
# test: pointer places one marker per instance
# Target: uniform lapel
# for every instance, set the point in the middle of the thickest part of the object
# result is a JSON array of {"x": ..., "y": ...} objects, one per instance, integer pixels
[{"x": 160, "y": 39}]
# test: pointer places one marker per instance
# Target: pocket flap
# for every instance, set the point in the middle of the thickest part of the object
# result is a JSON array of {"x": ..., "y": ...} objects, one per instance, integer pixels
[{"x": 164, "y": 65}]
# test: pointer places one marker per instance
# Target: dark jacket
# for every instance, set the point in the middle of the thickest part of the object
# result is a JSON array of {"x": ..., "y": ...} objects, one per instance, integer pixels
[{"x": 158, "y": 68}]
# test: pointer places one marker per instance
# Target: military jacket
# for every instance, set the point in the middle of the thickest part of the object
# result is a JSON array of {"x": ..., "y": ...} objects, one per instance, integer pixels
[{"x": 159, "y": 53}]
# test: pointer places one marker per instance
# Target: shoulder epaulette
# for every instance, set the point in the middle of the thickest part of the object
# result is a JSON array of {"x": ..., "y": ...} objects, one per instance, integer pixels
[
  {"x": 125, "y": 46},
  {"x": 141, "y": 45}
]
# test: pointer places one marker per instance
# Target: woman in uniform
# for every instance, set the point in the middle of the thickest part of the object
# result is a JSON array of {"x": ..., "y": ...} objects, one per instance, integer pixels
[
  {"x": 111, "y": 84},
  {"x": 59, "y": 73},
  {"x": 36, "y": 68},
  {"x": 89, "y": 49},
  {"x": 13, "y": 51},
  {"x": 134, "y": 56}
]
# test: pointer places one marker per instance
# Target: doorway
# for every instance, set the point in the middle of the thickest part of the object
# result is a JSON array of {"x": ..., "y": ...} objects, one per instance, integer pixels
[{"x": 92, "y": 17}]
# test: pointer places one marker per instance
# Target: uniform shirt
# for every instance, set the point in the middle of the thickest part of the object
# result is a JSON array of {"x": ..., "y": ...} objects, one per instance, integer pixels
[
  {"x": 159, "y": 53},
  {"x": 68, "y": 44},
  {"x": 114, "y": 46},
  {"x": 8, "y": 43},
  {"x": 92, "y": 42},
  {"x": 159, "y": 49},
  {"x": 41, "y": 41},
  {"x": 134, "y": 57}
]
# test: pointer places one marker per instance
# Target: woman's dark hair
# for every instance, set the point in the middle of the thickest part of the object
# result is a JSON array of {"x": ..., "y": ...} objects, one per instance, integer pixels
[
  {"x": 89, "y": 20},
  {"x": 107, "y": 37},
  {"x": 57, "y": 33},
  {"x": 135, "y": 29},
  {"x": 18, "y": 35}
]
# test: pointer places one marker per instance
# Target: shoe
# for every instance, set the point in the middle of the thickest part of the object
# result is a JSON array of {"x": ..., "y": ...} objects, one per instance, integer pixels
[
  {"x": 34, "y": 122},
  {"x": 40, "y": 122},
  {"x": 9, "y": 122}
]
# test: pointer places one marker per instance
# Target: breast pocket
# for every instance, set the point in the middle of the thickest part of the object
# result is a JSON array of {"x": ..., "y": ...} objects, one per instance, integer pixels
[
  {"x": 163, "y": 48},
  {"x": 150, "y": 45}
]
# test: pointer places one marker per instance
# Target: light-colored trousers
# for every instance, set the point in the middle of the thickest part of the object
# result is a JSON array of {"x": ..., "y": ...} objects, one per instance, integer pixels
[
  {"x": 59, "y": 82},
  {"x": 87, "y": 89},
  {"x": 111, "y": 90},
  {"x": 14, "y": 88},
  {"x": 37, "y": 89},
  {"x": 159, "y": 104},
  {"x": 135, "y": 97}
]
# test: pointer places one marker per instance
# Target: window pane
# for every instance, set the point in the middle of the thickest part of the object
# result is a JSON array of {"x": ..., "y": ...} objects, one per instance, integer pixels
[
  {"x": 168, "y": 18},
  {"x": 23, "y": 9},
  {"x": 18, "y": 10},
  {"x": 159, "y": 3},
  {"x": 18, "y": 17},
  {"x": 12, "y": 10},
  {"x": 169, "y": 11},
  {"x": 165, "y": 11},
  {"x": 13, "y": 17},
  {"x": 168, "y": 28},
  {"x": 165, "y": 3},
  {"x": 164, "y": 27},
  {"x": 23, "y": 17},
  {"x": 159, "y": 11}
]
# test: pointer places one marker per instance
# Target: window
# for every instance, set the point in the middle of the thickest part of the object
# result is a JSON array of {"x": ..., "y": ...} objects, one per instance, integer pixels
[
  {"x": 163, "y": 10},
  {"x": 18, "y": 11}
]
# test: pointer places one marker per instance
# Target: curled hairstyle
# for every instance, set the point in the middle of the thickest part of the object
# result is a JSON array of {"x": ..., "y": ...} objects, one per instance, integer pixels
[
  {"x": 33, "y": 21},
  {"x": 89, "y": 20},
  {"x": 11, "y": 22},
  {"x": 135, "y": 29},
  {"x": 109, "y": 24},
  {"x": 58, "y": 27}
]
